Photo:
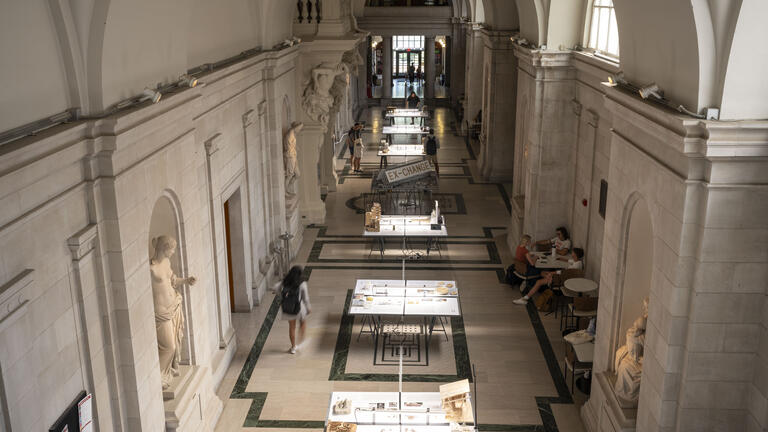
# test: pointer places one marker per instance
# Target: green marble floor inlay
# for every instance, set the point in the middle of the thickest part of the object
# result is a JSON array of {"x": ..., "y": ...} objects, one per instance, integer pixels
[{"x": 341, "y": 353}]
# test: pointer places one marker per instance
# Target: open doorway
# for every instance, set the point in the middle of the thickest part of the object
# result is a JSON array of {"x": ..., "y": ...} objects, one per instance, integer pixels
[{"x": 239, "y": 295}]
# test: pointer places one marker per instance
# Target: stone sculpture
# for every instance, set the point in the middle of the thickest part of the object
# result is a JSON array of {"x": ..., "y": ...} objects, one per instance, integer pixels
[
  {"x": 290, "y": 159},
  {"x": 629, "y": 362},
  {"x": 317, "y": 99},
  {"x": 169, "y": 320}
]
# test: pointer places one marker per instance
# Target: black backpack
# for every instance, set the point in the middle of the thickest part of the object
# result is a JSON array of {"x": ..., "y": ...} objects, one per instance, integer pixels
[
  {"x": 290, "y": 300},
  {"x": 431, "y": 148}
]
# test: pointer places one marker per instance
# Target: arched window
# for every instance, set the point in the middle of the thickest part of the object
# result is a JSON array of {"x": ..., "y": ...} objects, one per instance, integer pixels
[{"x": 603, "y": 34}]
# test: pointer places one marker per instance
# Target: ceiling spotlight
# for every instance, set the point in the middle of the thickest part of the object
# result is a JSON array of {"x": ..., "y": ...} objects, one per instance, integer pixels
[
  {"x": 650, "y": 90},
  {"x": 187, "y": 81},
  {"x": 153, "y": 95}
]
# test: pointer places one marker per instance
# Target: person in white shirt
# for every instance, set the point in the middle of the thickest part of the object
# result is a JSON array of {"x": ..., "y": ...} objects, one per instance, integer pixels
[
  {"x": 561, "y": 242},
  {"x": 574, "y": 263}
]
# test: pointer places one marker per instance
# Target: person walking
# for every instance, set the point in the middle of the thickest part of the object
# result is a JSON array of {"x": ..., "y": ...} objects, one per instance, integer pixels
[
  {"x": 431, "y": 144},
  {"x": 294, "y": 305},
  {"x": 411, "y": 74},
  {"x": 357, "y": 155}
]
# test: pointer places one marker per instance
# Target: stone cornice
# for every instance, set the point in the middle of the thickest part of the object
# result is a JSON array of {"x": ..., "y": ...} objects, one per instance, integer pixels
[{"x": 498, "y": 39}]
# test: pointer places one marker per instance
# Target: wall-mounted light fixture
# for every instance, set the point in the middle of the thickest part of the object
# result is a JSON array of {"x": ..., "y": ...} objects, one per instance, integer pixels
[
  {"x": 651, "y": 90},
  {"x": 149, "y": 94},
  {"x": 187, "y": 81}
]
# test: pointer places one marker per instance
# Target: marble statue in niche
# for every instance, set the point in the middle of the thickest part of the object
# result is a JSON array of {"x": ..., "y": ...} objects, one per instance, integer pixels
[
  {"x": 169, "y": 320},
  {"x": 291, "y": 161},
  {"x": 317, "y": 99},
  {"x": 629, "y": 362}
]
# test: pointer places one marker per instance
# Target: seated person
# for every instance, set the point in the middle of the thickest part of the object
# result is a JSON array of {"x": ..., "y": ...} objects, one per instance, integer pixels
[
  {"x": 525, "y": 257},
  {"x": 575, "y": 263},
  {"x": 561, "y": 242}
]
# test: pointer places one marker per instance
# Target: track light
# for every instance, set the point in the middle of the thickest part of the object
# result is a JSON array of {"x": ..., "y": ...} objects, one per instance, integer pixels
[
  {"x": 149, "y": 94},
  {"x": 650, "y": 90},
  {"x": 187, "y": 81}
]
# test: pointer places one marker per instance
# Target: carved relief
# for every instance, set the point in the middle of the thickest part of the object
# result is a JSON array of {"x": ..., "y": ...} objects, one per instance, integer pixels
[{"x": 318, "y": 99}]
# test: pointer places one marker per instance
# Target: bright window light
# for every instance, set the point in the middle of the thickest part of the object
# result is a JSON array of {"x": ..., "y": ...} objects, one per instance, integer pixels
[{"x": 603, "y": 31}]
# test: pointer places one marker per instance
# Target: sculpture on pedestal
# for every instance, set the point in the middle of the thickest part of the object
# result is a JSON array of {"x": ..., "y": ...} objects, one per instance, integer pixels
[
  {"x": 629, "y": 362},
  {"x": 291, "y": 161},
  {"x": 317, "y": 99},
  {"x": 169, "y": 320}
]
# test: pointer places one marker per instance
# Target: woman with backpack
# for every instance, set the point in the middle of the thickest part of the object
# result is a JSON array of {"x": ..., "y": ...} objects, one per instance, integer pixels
[{"x": 294, "y": 304}]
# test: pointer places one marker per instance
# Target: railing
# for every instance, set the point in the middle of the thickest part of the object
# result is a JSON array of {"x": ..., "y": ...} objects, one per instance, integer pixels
[
  {"x": 406, "y": 3},
  {"x": 306, "y": 8}
]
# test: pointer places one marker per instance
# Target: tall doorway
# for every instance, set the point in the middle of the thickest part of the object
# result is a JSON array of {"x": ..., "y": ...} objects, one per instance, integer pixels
[
  {"x": 239, "y": 299},
  {"x": 405, "y": 58}
]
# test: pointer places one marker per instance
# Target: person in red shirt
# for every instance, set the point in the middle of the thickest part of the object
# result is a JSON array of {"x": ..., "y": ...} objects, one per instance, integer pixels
[{"x": 523, "y": 255}]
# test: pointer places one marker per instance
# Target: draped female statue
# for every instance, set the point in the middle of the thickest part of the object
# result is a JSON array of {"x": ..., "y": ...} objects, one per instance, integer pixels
[
  {"x": 629, "y": 362},
  {"x": 169, "y": 320}
]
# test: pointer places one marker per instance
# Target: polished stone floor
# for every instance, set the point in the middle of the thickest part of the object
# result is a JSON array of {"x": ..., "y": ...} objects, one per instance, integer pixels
[{"x": 516, "y": 352}]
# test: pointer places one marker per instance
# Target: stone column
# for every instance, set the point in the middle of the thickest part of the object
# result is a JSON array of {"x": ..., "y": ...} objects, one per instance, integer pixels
[
  {"x": 546, "y": 85},
  {"x": 473, "y": 97},
  {"x": 499, "y": 94},
  {"x": 386, "y": 91},
  {"x": 429, "y": 67}
]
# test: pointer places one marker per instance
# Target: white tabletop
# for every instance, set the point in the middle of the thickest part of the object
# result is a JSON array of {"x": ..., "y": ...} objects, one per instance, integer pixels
[
  {"x": 404, "y": 129},
  {"x": 416, "y": 402},
  {"x": 403, "y": 150},
  {"x": 585, "y": 352},
  {"x": 432, "y": 306},
  {"x": 549, "y": 262},
  {"x": 377, "y": 305},
  {"x": 407, "y": 113},
  {"x": 366, "y": 401},
  {"x": 381, "y": 287},
  {"x": 399, "y": 226},
  {"x": 580, "y": 285}
]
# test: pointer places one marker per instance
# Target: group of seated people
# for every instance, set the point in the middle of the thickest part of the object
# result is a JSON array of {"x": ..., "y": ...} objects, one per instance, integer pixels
[{"x": 562, "y": 245}]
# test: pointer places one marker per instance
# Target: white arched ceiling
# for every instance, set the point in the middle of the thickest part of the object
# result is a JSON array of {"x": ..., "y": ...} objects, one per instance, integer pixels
[
  {"x": 479, "y": 11},
  {"x": 33, "y": 72},
  {"x": 566, "y": 23},
  {"x": 745, "y": 89},
  {"x": 230, "y": 21},
  {"x": 531, "y": 21},
  {"x": 658, "y": 43},
  {"x": 145, "y": 43},
  {"x": 501, "y": 15}
]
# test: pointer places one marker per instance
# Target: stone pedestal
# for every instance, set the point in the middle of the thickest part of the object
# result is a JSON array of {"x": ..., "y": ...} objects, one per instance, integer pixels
[
  {"x": 194, "y": 406},
  {"x": 603, "y": 413},
  {"x": 311, "y": 208}
]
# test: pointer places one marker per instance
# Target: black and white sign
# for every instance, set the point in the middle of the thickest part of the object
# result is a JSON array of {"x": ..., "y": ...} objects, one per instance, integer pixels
[{"x": 409, "y": 172}]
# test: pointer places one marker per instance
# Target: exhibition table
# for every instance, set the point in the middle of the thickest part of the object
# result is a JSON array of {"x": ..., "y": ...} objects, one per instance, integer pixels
[{"x": 407, "y": 226}]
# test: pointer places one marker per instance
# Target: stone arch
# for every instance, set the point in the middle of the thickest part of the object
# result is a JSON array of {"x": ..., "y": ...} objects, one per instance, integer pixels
[
  {"x": 635, "y": 266},
  {"x": 166, "y": 219}
]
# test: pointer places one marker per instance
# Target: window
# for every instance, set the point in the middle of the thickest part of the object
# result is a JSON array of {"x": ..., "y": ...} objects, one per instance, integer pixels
[
  {"x": 603, "y": 31},
  {"x": 408, "y": 43}
]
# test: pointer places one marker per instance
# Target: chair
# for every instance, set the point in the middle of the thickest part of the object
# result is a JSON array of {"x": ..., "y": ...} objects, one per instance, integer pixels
[
  {"x": 521, "y": 270},
  {"x": 582, "y": 307},
  {"x": 572, "y": 363},
  {"x": 558, "y": 282}
]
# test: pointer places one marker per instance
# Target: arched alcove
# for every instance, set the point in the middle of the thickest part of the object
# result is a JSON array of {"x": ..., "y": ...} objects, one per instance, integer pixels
[
  {"x": 638, "y": 265},
  {"x": 165, "y": 220},
  {"x": 286, "y": 114}
]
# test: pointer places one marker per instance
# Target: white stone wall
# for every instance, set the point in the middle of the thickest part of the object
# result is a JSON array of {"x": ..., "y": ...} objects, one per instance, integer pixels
[{"x": 76, "y": 207}]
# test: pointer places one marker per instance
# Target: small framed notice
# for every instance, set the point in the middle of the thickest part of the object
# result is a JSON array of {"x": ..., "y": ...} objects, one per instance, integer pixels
[{"x": 85, "y": 413}]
